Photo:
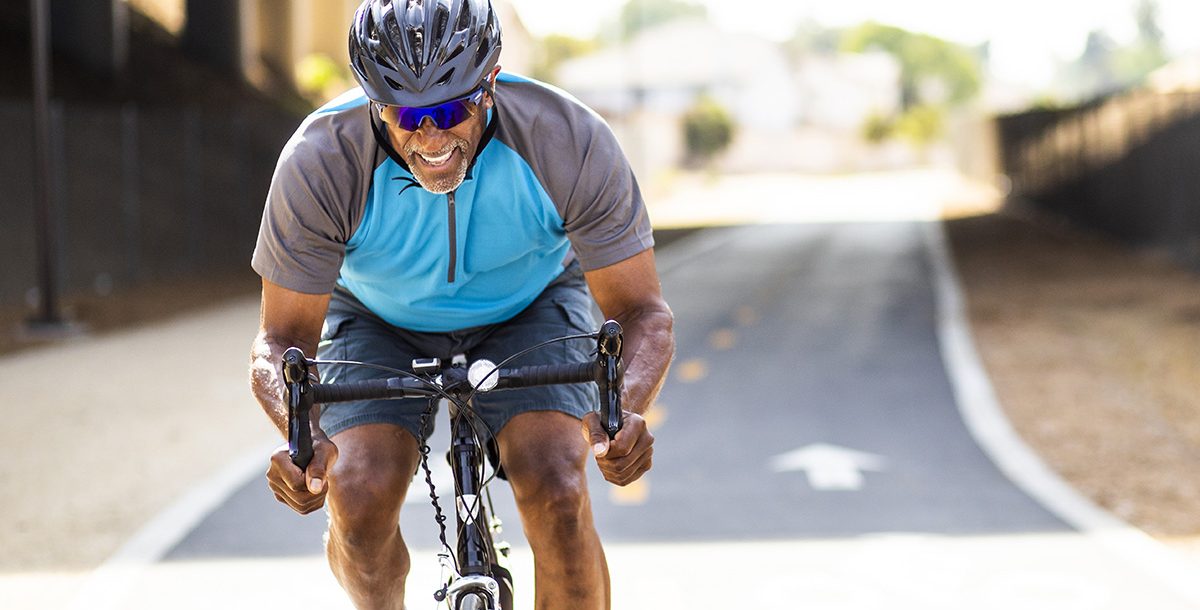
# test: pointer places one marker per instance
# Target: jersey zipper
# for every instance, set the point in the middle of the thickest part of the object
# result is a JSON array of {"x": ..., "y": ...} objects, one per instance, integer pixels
[{"x": 453, "y": 237}]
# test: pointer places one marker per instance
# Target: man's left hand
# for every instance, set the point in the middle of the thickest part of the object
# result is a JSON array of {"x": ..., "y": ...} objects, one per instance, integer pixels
[{"x": 625, "y": 458}]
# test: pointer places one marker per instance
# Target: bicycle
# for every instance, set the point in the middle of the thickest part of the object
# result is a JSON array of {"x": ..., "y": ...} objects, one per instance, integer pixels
[{"x": 475, "y": 575}]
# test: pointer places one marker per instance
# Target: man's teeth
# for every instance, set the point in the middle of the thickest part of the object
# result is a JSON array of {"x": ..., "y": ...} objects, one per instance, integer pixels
[{"x": 439, "y": 159}]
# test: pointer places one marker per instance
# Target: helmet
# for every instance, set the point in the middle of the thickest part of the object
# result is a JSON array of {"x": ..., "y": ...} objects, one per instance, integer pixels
[{"x": 423, "y": 52}]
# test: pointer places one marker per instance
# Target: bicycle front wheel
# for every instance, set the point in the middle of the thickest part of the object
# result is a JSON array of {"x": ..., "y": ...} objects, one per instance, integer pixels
[{"x": 473, "y": 601}]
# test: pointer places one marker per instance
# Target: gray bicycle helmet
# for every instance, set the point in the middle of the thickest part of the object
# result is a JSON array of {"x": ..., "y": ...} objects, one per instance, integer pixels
[{"x": 423, "y": 52}]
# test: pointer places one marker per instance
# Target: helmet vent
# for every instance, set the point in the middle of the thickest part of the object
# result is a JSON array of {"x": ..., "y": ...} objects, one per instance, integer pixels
[
  {"x": 393, "y": 84},
  {"x": 484, "y": 47},
  {"x": 416, "y": 43},
  {"x": 455, "y": 53},
  {"x": 445, "y": 77},
  {"x": 464, "y": 16},
  {"x": 441, "y": 21}
]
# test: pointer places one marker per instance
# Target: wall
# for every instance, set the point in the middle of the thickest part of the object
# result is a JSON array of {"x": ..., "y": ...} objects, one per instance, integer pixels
[
  {"x": 1128, "y": 165},
  {"x": 140, "y": 194}
]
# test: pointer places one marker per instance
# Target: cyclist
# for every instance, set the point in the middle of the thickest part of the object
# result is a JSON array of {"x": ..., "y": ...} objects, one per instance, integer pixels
[{"x": 447, "y": 207}]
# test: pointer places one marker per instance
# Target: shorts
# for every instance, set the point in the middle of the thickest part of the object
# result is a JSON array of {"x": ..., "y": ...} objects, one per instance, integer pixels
[{"x": 352, "y": 332}]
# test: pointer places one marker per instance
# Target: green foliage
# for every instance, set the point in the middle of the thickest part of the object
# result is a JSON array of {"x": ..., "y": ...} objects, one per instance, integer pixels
[
  {"x": 319, "y": 77},
  {"x": 877, "y": 127},
  {"x": 921, "y": 125},
  {"x": 1106, "y": 66},
  {"x": 923, "y": 59},
  {"x": 553, "y": 50},
  {"x": 638, "y": 15},
  {"x": 811, "y": 38},
  {"x": 708, "y": 129}
]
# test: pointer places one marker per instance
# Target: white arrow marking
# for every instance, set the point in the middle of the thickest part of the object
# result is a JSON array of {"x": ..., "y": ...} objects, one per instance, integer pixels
[{"x": 829, "y": 466}]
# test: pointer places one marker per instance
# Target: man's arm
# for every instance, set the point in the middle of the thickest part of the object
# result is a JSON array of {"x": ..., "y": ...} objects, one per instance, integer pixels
[
  {"x": 289, "y": 318},
  {"x": 629, "y": 292}
]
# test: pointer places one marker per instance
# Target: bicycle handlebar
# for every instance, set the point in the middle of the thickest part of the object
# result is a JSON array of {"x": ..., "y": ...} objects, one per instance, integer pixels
[{"x": 301, "y": 393}]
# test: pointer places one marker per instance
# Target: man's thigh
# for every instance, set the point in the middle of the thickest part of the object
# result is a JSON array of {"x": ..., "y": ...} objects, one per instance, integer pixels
[{"x": 351, "y": 334}]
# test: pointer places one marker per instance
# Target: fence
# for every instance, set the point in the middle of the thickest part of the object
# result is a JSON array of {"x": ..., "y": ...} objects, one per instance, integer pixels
[
  {"x": 139, "y": 194},
  {"x": 1128, "y": 165}
]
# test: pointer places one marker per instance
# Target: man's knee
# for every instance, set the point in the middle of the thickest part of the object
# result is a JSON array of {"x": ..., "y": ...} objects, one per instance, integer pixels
[
  {"x": 556, "y": 499},
  {"x": 364, "y": 505}
]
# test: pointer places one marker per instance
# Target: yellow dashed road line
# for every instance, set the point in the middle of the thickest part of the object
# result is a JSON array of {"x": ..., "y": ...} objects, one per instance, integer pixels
[
  {"x": 632, "y": 494},
  {"x": 722, "y": 339},
  {"x": 690, "y": 371},
  {"x": 746, "y": 316},
  {"x": 655, "y": 416},
  {"x": 638, "y": 492}
]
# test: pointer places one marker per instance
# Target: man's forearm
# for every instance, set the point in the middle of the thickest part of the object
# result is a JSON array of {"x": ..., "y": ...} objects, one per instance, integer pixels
[
  {"x": 266, "y": 379},
  {"x": 649, "y": 346}
]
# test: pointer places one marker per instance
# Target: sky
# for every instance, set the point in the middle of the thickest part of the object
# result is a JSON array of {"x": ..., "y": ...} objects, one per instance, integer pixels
[{"x": 1028, "y": 36}]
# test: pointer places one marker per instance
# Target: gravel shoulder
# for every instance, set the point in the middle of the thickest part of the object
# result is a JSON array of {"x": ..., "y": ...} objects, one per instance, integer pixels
[{"x": 1094, "y": 352}]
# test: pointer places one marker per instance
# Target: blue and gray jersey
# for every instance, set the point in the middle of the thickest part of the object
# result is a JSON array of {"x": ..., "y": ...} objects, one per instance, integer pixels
[{"x": 549, "y": 184}]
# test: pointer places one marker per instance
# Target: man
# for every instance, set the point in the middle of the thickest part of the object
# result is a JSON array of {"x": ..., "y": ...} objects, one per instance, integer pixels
[{"x": 445, "y": 208}]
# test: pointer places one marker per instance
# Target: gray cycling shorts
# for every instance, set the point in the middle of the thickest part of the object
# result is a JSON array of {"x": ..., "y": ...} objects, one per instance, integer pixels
[{"x": 352, "y": 332}]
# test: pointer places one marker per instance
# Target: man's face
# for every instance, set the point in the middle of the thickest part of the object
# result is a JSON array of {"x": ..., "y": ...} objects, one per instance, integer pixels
[{"x": 439, "y": 158}]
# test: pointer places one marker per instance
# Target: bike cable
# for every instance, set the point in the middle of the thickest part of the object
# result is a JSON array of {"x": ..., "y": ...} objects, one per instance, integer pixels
[{"x": 439, "y": 516}]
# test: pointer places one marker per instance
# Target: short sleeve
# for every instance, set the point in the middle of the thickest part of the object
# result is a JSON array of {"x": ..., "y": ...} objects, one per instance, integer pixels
[{"x": 307, "y": 221}]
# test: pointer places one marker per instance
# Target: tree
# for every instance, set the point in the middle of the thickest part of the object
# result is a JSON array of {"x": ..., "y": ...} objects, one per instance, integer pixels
[
  {"x": 923, "y": 59},
  {"x": 554, "y": 49},
  {"x": 812, "y": 38},
  {"x": 707, "y": 130},
  {"x": 1133, "y": 63},
  {"x": 638, "y": 15},
  {"x": 1106, "y": 66}
]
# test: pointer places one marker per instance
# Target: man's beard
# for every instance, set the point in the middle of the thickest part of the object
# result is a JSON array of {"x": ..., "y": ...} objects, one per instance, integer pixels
[{"x": 451, "y": 180}]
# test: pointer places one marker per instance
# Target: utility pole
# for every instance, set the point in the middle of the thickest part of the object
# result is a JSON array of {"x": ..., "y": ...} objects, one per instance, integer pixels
[{"x": 47, "y": 322}]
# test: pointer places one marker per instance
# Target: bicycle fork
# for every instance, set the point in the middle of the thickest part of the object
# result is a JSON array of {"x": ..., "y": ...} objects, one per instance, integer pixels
[{"x": 477, "y": 553}]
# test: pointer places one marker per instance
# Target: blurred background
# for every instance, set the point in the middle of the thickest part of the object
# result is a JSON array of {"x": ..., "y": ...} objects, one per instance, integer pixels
[
  {"x": 166, "y": 116},
  {"x": 1059, "y": 142}
]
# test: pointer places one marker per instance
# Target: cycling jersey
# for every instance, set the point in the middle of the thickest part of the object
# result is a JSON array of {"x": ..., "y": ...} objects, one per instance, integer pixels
[{"x": 549, "y": 184}]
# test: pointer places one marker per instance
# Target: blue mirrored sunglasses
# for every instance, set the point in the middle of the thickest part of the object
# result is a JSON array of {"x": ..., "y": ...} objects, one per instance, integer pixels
[{"x": 444, "y": 115}]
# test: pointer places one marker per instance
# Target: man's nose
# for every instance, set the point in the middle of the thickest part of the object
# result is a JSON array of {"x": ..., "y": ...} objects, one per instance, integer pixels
[{"x": 429, "y": 132}]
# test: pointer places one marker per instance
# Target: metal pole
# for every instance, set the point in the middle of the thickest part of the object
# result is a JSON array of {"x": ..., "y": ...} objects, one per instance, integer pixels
[
  {"x": 48, "y": 323},
  {"x": 48, "y": 310}
]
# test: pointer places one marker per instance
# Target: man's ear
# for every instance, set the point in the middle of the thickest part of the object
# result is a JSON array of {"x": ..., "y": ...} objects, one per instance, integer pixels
[{"x": 491, "y": 93}]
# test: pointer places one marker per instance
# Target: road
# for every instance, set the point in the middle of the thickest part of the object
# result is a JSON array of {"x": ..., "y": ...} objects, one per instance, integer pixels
[{"x": 810, "y": 454}]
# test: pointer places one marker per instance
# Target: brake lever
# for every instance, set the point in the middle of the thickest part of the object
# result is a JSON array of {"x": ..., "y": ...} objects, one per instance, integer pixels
[
  {"x": 299, "y": 402},
  {"x": 609, "y": 357}
]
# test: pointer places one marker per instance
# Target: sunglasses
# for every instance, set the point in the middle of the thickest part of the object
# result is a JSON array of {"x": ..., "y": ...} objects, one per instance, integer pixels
[{"x": 444, "y": 115}]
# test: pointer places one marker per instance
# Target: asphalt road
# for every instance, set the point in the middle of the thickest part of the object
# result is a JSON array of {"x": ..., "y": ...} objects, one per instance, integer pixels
[{"x": 810, "y": 455}]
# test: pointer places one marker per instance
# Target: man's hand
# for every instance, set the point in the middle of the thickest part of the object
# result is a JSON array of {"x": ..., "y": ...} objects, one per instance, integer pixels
[
  {"x": 625, "y": 458},
  {"x": 303, "y": 491}
]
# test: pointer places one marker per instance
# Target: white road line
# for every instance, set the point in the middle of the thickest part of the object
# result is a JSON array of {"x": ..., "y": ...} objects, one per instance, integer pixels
[
  {"x": 987, "y": 424},
  {"x": 107, "y": 584}
]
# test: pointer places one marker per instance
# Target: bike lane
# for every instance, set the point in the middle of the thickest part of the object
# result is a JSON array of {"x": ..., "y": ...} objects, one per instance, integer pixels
[{"x": 810, "y": 453}]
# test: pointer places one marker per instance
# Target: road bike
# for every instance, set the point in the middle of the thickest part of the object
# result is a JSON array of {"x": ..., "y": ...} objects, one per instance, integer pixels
[{"x": 476, "y": 577}]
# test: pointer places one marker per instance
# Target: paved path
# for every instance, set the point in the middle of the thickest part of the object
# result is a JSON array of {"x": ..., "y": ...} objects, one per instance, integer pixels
[{"x": 817, "y": 337}]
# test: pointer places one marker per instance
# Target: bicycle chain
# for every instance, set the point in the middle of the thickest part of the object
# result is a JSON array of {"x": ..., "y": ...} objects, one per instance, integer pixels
[{"x": 424, "y": 450}]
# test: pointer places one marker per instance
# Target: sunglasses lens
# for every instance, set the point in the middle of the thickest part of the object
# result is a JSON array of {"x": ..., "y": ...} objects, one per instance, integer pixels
[{"x": 444, "y": 116}]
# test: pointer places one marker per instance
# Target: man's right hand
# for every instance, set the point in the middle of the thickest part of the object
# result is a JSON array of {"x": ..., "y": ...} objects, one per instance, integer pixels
[{"x": 303, "y": 491}]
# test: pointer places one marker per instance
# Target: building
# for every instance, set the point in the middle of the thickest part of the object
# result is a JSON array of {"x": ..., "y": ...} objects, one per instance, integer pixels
[
  {"x": 805, "y": 115},
  {"x": 274, "y": 36}
]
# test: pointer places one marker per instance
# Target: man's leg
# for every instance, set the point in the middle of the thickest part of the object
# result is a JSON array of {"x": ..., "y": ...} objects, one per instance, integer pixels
[
  {"x": 545, "y": 456},
  {"x": 366, "y": 489}
]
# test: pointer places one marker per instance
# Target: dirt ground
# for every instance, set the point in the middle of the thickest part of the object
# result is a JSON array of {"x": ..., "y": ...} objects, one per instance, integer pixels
[{"x": 1094, "y": 352}]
